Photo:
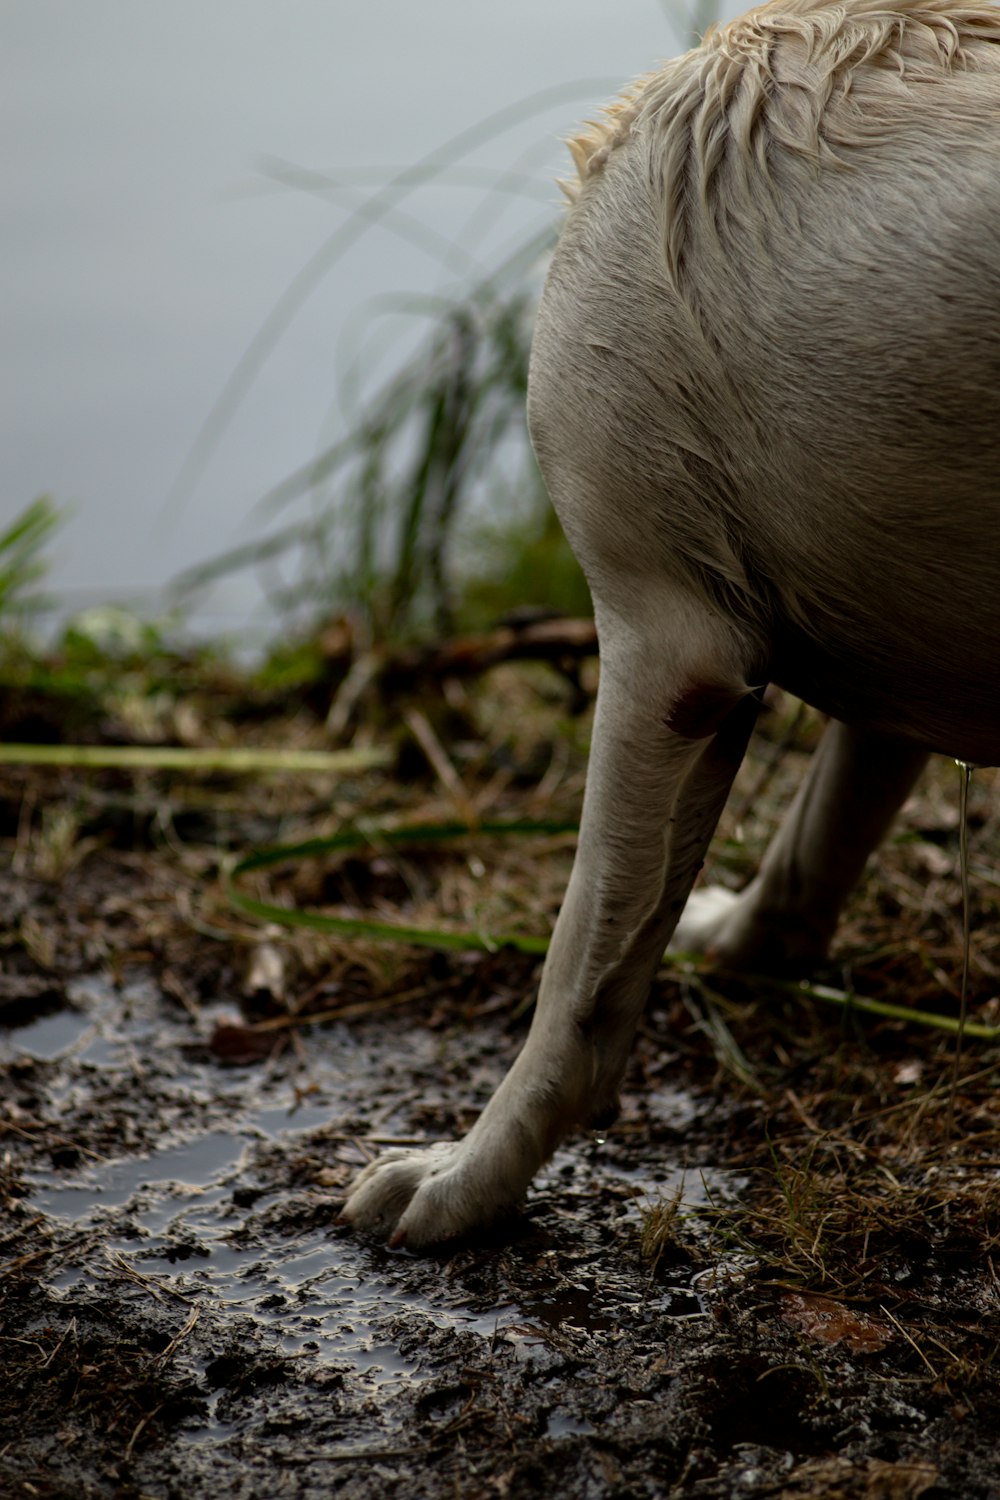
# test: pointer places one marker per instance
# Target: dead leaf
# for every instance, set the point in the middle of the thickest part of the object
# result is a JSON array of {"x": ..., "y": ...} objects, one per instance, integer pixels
[
  {"x": 237, "y": 1046},
  {"x": 899, "y": 1481},
  {"x": 830, "y": 1322},
  {"x": 873, "y": 1479}
]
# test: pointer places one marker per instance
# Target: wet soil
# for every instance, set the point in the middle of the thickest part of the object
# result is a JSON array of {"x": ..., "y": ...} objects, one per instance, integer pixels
[{"x": 774, "y": 1276}]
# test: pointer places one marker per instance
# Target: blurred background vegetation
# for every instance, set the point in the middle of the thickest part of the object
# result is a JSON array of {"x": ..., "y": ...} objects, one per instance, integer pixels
[{"x": 430, "y": 516}]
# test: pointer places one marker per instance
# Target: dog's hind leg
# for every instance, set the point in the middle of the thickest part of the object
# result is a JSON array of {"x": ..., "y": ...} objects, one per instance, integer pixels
[
  {"x": 857, "y": 782},
  {"x": 654, "y": 795}
]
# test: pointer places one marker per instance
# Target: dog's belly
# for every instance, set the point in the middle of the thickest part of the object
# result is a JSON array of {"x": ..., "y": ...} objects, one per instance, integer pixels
[{"x": 949, "y": 706}]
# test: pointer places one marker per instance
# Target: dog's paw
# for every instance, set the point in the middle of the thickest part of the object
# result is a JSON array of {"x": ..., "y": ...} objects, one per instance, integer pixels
[
  {"x": 743, "y": 932},
  {"x": 706, "y": 921},
  {"x": 420, "y": 1198}
]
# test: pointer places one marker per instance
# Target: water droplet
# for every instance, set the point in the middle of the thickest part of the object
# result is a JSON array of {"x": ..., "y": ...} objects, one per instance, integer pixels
[{"x": 965, "y": 771}]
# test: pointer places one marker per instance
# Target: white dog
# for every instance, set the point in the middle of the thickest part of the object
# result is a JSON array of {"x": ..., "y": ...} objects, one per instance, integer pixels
[{"x": 765, "y": 396}]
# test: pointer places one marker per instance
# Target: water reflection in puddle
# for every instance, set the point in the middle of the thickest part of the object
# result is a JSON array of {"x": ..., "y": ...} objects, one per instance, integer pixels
[
  {"x": 564, "y": 1424},
  {"x": 207, "y": 1216},
  {"x": 317, "y": 1293},
  {"x": 46, "y": 1036},
  {"x": 312, "y": 1294},
  {"x": 178, "y": 1175}
]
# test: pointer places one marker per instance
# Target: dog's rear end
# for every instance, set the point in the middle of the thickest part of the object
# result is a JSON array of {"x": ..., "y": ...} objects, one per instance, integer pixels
[{"x": 765, "y": 396}]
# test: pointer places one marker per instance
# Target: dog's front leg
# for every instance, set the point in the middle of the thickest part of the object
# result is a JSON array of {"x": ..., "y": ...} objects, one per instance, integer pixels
[{"x": 652, "y": 802}]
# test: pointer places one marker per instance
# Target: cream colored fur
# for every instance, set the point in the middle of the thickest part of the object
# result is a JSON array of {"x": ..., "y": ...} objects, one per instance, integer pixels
[{"x": 765, "y": 395}]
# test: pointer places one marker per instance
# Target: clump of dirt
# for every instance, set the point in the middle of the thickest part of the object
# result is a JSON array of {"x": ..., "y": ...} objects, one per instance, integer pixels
[{"x": 774, "y": 1276}]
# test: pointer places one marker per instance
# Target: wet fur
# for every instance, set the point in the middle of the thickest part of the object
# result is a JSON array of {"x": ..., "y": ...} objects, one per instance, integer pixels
[{"x": 765, "y": 395}]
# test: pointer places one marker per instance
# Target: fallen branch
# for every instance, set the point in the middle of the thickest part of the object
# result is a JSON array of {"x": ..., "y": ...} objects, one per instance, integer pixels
[
  {"x": 390, "y": 668},
  {"x": 555, "y": 640}
]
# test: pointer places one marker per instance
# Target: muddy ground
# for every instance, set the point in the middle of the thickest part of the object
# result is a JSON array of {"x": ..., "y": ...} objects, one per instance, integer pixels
[{"x": 775, "y": 1276}]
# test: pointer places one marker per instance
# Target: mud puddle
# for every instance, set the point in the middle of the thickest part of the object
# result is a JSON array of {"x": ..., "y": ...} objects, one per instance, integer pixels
[
  {"x": 183, "y": 1315},
  {"x": 180, "y": 1205}
]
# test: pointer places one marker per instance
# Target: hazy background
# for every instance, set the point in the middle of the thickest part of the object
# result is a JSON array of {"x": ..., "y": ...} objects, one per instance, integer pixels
[{"x": 149, "y": 230}]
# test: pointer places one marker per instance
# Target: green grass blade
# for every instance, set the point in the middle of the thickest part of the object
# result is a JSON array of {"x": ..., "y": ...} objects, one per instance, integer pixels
[
  {"x": 461, "y": 941},
  {"x": 181, "y": 758}
]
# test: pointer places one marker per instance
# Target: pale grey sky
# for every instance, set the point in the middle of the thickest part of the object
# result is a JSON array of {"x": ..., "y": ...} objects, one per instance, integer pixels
[{"x": 143, "y": 248}]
